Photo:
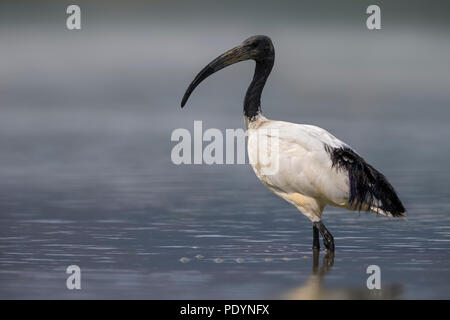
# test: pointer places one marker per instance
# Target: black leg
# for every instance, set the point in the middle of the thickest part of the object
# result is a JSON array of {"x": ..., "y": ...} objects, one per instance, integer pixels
[
  {"x": 316, "y": 254},
  {"x": 328, "y": 239},
  {"x": 316, "y": 243}
]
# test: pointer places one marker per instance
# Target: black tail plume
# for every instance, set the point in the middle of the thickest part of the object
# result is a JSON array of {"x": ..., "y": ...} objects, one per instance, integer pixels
[{"x": 368, "y": 187}]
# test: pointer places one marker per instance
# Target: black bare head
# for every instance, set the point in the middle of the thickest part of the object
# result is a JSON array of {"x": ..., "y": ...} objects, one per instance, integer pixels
[{"x": 258, "y": 48}]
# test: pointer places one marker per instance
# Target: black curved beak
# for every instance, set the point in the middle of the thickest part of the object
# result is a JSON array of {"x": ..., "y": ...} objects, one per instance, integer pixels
[{"x": 237, "y": 54}]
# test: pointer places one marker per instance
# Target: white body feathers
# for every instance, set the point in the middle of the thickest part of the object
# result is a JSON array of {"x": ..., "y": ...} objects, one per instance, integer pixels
[{"x": 304, "y": 174}]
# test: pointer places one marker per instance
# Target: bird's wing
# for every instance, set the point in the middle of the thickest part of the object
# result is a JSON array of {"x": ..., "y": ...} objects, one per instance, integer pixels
[
  {"x": 316, "y": 164},
  {"x": 369, "y": 188}
]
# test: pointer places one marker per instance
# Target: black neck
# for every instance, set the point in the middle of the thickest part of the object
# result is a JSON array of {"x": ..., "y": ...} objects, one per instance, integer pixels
[{"x": 252, "y": 101}]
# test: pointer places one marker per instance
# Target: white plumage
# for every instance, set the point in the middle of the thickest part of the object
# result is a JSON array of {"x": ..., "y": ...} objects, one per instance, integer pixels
[{"x": 304, "y": 175}]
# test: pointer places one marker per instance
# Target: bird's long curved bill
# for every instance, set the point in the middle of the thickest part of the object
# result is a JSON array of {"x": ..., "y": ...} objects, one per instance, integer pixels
[{"x": 237, "y": 54}]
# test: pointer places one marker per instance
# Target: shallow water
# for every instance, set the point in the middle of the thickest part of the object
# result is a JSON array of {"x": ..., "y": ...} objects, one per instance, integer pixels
[{"x": 151, "y": 229}]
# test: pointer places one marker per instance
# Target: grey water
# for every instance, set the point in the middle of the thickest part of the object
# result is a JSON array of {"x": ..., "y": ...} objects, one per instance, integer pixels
[{"x": 86, "y": 176}]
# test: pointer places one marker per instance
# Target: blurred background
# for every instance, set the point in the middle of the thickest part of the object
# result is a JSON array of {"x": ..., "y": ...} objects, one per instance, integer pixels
[{"x": 86, "y": 176}]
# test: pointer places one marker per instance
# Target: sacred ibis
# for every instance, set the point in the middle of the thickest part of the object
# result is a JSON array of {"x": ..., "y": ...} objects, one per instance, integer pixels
[{"x": 314, "y": 168}]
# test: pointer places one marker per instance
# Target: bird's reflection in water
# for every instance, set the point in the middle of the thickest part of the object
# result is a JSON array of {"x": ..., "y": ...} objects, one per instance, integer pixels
[{"x": 314, "y": 289}]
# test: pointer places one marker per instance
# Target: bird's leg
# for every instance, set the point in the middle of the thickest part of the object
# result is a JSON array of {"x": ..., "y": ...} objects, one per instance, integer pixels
[
  {"x": 328, "y": 239},
  {"x": 315, "y": 261},
  {"x": 316, "y": 243}
]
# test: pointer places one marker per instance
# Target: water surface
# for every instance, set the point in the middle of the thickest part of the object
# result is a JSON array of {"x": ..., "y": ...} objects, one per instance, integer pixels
[{"x": 86, "y": 176}]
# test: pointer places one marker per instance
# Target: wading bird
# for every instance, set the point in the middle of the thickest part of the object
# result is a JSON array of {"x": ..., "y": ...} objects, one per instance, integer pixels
[{"x": 314, "y": 168}]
